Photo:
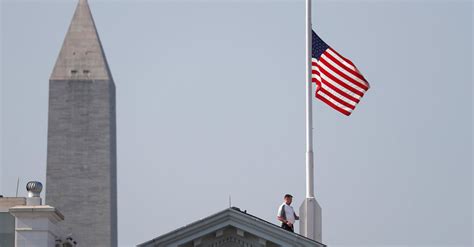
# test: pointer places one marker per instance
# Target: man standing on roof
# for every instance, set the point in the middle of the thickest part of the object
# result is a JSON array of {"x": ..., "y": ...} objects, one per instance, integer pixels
[{"x": 287, "y": 215}]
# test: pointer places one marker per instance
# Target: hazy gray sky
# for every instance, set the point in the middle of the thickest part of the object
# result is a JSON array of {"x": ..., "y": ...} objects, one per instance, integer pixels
[{"x": 210, "y": 103}]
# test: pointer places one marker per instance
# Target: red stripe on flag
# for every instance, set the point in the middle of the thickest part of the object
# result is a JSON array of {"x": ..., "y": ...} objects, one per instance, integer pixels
[
  {"x": 343, "y": 75},
  {"x": 335, "y": 107},
  {"x": 343, "y": 58},
  {"x": 339, "y": 91},
  {"x": 349, "y": 70},
  {"x": 336, "y": 80},
  {"x": 315, "y": 72},
  {"x": 334, "y": 97}
]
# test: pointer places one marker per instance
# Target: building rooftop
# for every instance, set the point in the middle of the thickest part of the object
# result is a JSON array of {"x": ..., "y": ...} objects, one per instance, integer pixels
[
  {"x": 8, "y": 202},
  {"x": 213, "y": 227}
]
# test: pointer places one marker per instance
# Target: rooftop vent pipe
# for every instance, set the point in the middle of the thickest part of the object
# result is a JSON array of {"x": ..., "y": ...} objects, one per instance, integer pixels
[{"x": 34, "y": 189}]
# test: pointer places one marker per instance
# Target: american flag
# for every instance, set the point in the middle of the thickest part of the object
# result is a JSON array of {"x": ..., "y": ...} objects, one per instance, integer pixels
[{"x": 339, "y": 82}]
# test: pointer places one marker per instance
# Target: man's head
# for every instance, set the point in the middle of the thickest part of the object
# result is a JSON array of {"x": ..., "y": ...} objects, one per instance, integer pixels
[{"x": 288, "y": 199}]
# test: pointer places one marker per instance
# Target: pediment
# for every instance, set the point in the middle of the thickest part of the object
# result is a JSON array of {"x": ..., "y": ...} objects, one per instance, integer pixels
[
  {"x": 228, "y": 237},
  {"x": 231, "y": 228}
]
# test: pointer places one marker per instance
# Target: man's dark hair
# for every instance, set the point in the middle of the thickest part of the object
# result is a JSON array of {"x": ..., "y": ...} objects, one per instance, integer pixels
[{"x": 288, "y": 195}]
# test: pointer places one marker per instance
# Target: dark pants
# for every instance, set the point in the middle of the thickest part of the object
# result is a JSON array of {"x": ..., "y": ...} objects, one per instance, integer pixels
[{"x": 287, "y": 227}]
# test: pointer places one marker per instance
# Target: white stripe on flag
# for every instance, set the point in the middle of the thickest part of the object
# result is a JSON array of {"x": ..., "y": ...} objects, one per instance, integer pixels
[
  {"x": 339, "y": 105},
  {"x": 345, "y": 90},
  {"x": 336, "y": 94},
  {"x": 348, "y": 65},
  {"x": 337, "y": 75},
  {"x": 314, "y": 75}
]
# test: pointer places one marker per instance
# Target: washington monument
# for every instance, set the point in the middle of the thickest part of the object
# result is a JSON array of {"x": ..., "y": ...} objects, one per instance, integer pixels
[{"x": 81, "y": 164}]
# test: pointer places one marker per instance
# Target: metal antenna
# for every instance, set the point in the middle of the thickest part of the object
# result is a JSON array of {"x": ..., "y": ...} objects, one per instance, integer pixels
[
  {"x": 17, "y": 184},
  {"x": 230, "y": 201}
]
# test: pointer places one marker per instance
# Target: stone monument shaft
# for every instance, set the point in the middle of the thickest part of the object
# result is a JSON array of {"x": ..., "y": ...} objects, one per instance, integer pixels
[{"x": 81, "y": 162}]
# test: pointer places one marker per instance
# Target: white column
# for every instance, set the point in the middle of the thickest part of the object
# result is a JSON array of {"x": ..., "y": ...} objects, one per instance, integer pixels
[{"x": 36, "y": 226}]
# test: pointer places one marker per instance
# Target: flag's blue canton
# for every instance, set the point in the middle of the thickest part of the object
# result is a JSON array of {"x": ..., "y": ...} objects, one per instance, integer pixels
[{"x": 319, "y": 47}]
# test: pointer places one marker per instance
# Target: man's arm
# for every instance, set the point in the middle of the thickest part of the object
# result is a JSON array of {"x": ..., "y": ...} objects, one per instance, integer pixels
[
  {"x": 281, "y": 215},
  {"x": 296, "y": 217},
  {"x": 281, "y": 219},
  {"x": 284, "y": 221}
]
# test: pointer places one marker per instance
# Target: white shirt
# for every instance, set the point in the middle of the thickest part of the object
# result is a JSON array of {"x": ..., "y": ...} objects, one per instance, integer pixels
[{"x": 287, "y": 212}]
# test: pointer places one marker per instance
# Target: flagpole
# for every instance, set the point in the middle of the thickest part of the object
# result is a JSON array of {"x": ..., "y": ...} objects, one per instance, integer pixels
[
  {"x": 309, "y": 106},
  {"x": 310, "y": 210}
]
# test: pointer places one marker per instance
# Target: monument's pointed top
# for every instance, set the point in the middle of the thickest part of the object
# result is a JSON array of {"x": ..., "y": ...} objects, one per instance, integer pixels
[{"x": 81, "y": 56}]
